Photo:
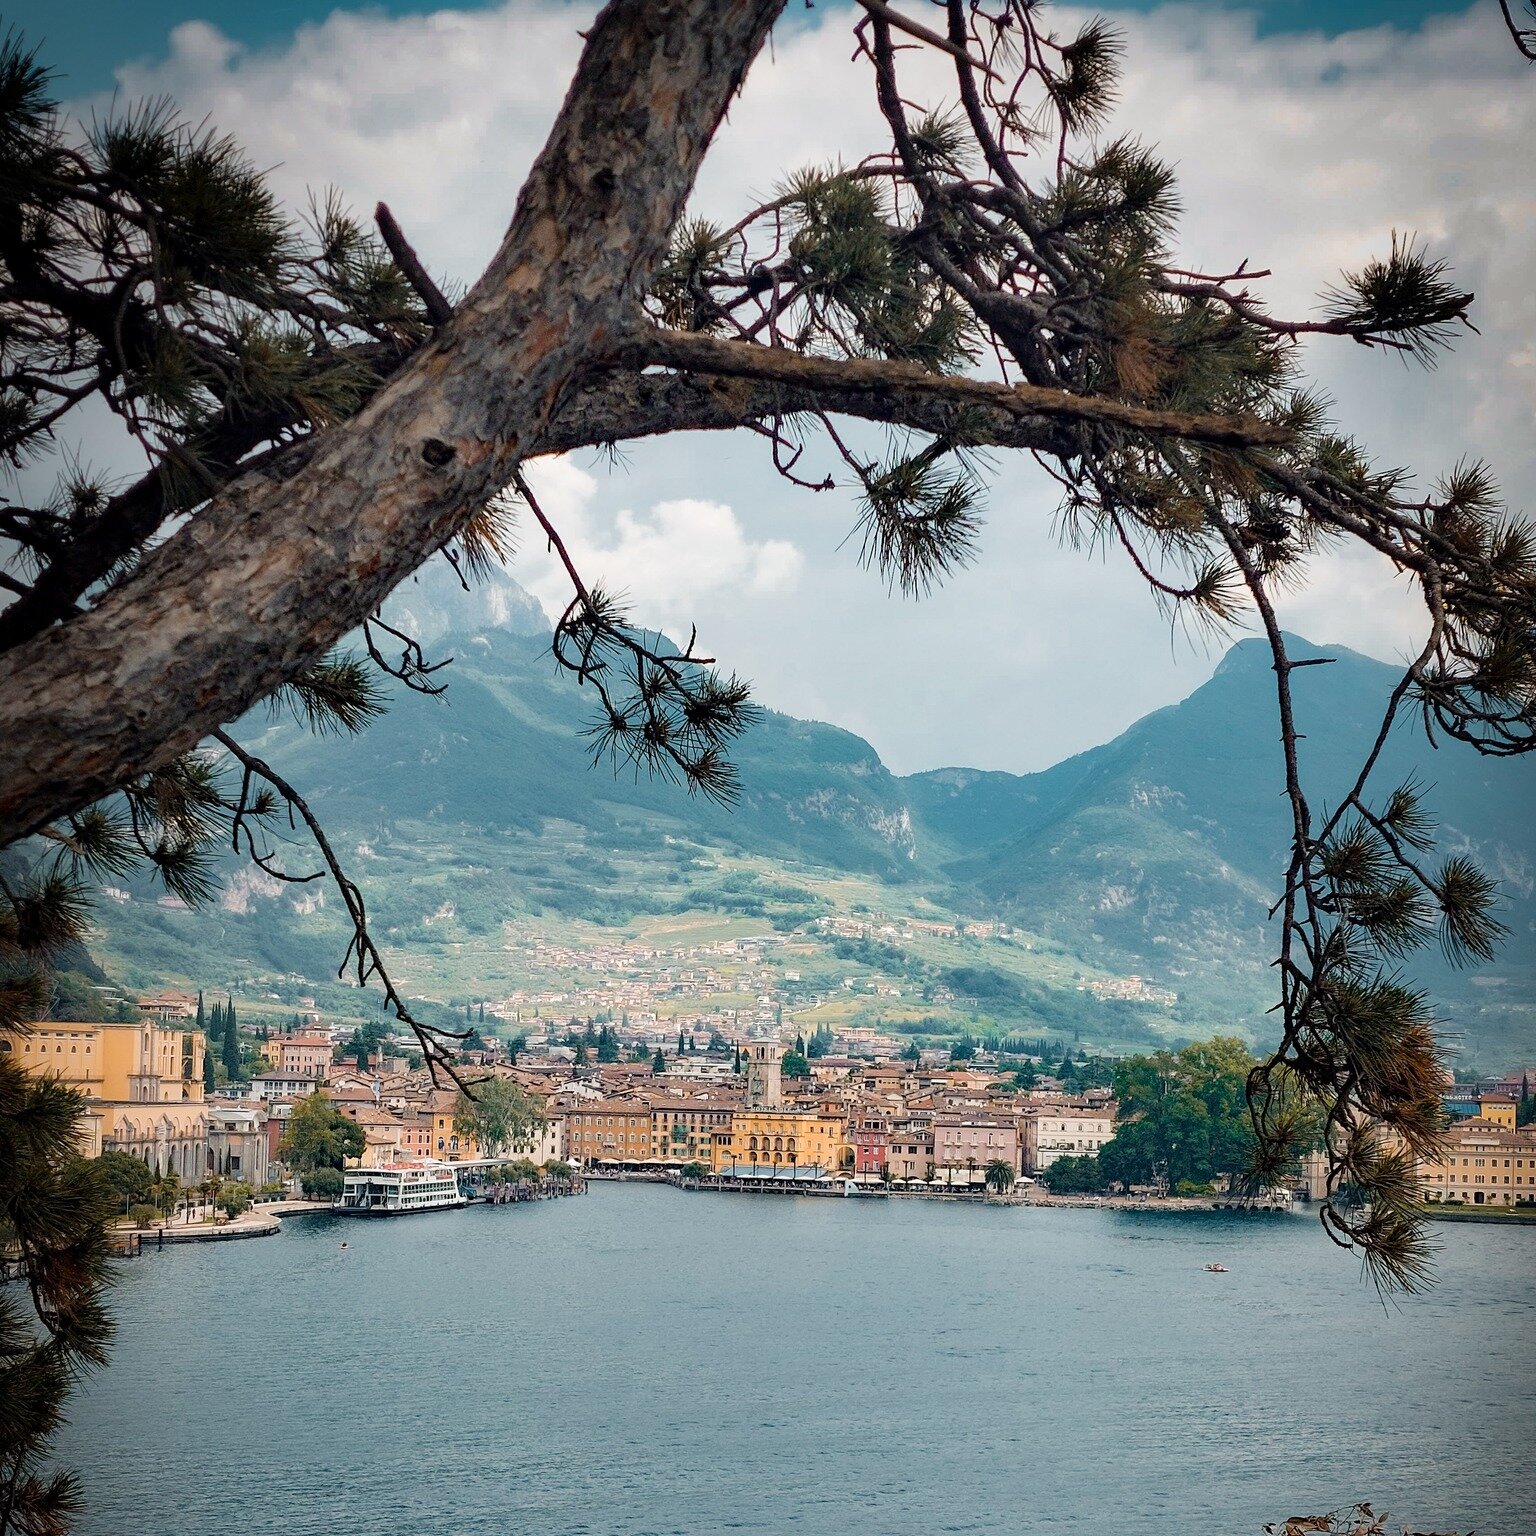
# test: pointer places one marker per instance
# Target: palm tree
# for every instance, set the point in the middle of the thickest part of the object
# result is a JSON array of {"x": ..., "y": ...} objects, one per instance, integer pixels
[{"x": 1000, "y": 1176}]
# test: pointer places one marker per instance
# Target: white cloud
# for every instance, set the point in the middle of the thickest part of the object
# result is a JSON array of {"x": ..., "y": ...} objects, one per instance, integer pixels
[
  {"x": 1297, "y": 153},
  {"x": 681, "y": 559}
]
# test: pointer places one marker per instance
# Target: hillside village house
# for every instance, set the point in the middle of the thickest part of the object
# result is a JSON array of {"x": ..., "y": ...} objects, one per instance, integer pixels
[{"x": 143, "y": 1083}]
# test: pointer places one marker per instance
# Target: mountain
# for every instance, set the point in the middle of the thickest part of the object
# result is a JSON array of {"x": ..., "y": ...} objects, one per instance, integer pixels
[
  {"x": 1163, "y": 848},
  {"x": 1156, "y": 854}
]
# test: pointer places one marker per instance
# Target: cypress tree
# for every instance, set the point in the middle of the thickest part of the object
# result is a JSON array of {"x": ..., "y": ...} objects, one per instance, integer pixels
[
  {"x": 231, "y": 1047},
  {"x": 209, "y": 1081}
]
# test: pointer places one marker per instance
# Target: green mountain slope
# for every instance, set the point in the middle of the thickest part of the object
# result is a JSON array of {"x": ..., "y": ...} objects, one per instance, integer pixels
[
  {"x": 1155, "y": 854},
  {"x": 1163, "y": 848}
]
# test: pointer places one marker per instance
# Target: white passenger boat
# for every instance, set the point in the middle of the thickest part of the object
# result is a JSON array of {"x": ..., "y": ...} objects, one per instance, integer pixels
[{"x": 397, "y": 1189}]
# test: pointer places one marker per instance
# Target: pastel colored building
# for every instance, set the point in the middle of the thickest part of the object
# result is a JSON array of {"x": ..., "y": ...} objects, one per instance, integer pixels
[
  {"x": 143, "y": 1085},
  {"x": 303, "y": 1055},
  {"x": 609, "y": 1131},
  {"x": 871, "y": 1142},
  {"x": 683, "y": 1129},
  {"x": 963, "y": 1147},
  {"x": 1064, "y": 1129},
  {"x": 909, "y": 1150},
  {"x": 1482, "y": 1163},
  {"x": 783, "y": 1138}
]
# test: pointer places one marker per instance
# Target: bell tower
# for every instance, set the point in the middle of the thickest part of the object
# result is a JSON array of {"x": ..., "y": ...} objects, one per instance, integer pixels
[{"x": 763, "y": 1062}]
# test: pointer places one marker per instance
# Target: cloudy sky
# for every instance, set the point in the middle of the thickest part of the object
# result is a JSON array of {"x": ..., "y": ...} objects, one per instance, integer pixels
[{"x": 1305, "y": 132}]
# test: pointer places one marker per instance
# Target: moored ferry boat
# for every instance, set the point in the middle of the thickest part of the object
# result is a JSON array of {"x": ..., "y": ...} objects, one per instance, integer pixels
[{"x": 397, "y": 1189}]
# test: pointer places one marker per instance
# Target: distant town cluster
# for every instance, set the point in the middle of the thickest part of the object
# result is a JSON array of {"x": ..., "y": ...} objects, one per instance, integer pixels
[{"x": 731, "y": 1096}]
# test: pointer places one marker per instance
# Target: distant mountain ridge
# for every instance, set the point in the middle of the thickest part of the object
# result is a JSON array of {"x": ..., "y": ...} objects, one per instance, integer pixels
[
  {"x": 1165, "y": 846},
  {"x": 1156, "y": 853}
]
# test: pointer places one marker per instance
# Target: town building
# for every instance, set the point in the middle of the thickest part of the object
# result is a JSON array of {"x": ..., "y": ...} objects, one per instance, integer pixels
[
  {"x": 609, "y": 1131},
  {"x": 1482, "y": 1162},
  {"x": 683, "y": 1129},
  {"x": 964, "y": 1146},
  {"x": 762, "y": 1060},
  {"x": 237, "y": 1141},
  {"x": 1064, "y": 1128},
  {"x": 143, "y": 1085},
  {"x": 306, "y": 1055},
  {"x": 762, "y": 1139},
  {"x": 871, "y": 1135},
  {"x": 909, "y": 1149},
  {"x": 274, "y": 1085}
]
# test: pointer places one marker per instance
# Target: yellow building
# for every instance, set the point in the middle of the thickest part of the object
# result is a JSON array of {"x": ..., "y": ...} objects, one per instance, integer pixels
[
  {"x": 763, "y": 1138},
  {"x": 143, "y": 1084},
  {"x": 1498, "y": 1109},
  {"x": 1482, "y": 1163},
  {"x": 449, "y": 1144}
]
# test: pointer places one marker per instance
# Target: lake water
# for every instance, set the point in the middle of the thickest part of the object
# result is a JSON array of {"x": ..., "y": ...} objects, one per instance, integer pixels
[{"x": 642, "y": 1361}]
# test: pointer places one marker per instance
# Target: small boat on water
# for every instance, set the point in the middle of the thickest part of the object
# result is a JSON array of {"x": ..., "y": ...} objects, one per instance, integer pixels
[
  {"x": 1216, "y": 1269},
  {"x": 398, "y": 1189}
]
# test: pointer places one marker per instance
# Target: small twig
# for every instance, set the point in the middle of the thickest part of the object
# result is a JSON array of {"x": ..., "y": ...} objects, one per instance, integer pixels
[{"x": 439, "y": 310}]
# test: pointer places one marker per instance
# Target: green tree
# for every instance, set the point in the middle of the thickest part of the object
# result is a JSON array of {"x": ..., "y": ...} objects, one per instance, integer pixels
[
  {"x": 658, "y": 1063},
  {"x": 319, "y": 1136},
  {"x": 234, "y": 1063},
  {"x": 964, "y": 1049},
  {"x": 607, "y": 1044},
  {"x": 235, "y": 1199},
  {"x": 322, "y": 1183},
  {"x": 166, "y": 1191},
  {"x": 1184, "y": 1114},
  {"x": 695, "y": 1171},
  {"x": 912, "y": 1051},
  {"x": 1075, "y": 1176},
  {"x": 795, "y": 1064},
  {"x": 125, "y": 1178},
  {"x": 1000, "y": 1176},
  {"x": 499, "y": 1114},
  {"x": 54, "y": 1210}
]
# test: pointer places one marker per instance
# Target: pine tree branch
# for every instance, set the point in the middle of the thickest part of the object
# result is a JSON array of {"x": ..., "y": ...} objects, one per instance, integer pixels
[
  {"x": 691, "y": 352},
  {"x": 282, "y": 564}
]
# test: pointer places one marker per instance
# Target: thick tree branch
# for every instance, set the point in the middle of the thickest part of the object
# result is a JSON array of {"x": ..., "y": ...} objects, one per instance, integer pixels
[
  {"x": 282, "y": 564},
  {"x": 691, "y": 352},
  {"x": 622, "y": 405}
]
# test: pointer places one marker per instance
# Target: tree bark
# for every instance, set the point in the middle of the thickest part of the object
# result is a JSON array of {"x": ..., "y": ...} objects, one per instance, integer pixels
[{"x": 285, "y": 561}]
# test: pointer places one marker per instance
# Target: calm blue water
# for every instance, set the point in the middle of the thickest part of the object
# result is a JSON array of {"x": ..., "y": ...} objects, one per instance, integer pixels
[{"x": 641, "y": 1361}]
